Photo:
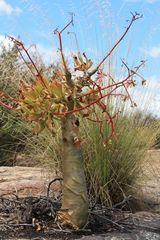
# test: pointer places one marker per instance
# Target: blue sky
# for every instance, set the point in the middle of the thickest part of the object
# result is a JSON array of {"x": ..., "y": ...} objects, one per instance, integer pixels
[{"x": 97, "y": 24}]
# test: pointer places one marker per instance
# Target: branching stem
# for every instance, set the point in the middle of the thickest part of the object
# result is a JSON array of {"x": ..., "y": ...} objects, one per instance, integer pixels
[{"x": 135, "y": 17}]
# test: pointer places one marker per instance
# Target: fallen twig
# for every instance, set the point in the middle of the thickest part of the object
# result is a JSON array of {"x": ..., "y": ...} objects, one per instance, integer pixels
[
  {"x": 50, "y": 183},
  {"x": 121, "y": 228},
  {"x": 140, "y": 226},
  {"x": 124, "y": 201}
]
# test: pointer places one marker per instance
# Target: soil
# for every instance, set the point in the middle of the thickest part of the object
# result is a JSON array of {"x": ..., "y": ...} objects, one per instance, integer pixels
[
  {"x": 31, "y": 181},
  {"x": 148, "y": 191}
]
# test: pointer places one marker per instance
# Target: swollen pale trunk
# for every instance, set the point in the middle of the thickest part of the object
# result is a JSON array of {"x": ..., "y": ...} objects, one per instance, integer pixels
[{"x": 74, "y": 191}]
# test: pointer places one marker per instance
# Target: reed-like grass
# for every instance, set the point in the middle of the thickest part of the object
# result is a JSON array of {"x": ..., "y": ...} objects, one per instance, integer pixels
[
  {"x": 45, "y": 150},
  {"x": 112, "y": 170}
]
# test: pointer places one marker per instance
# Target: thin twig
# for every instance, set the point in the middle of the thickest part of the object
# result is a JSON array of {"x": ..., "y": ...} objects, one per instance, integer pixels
[
  {"x": 61, "y": 45},
  {"x": 125, "y": 200},
  {"x": 50, "y": 183},
  {"x": 135, "y": 17},
  {"x": 140, "y": 226},
  {"x": 108, "y": 220}
]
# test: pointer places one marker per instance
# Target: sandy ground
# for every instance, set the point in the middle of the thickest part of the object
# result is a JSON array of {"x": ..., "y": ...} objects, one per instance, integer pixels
[
  {"x": 25, "y": 181},
  {"x": 149, "y": 183}
]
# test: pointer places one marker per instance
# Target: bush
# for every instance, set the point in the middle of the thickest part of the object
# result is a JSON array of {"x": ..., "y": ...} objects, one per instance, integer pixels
[
  {"x": 10, "y": 137},
  {"x": 12, "y": 128},
  {"x": 112, "y": 170}
]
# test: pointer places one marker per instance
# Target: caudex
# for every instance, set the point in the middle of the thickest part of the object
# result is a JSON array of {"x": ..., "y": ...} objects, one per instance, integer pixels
[{"x": 66, "y": 97}]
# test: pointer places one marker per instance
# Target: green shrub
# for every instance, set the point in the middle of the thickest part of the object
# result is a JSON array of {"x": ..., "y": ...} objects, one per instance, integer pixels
[
  {"x": 112, "y": 170},
  {"x": 9, "y": 138},
  {"x": 12, "y": 128}
]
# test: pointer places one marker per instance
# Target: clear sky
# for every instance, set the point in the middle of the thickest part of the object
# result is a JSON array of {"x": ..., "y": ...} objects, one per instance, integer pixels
[{"x": 97, "y": 24}]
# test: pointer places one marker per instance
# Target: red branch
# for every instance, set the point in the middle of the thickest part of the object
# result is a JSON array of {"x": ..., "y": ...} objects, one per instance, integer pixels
[
  {"x": 131, "y": 73},
  {"x": 5, "y": 95},
  {"x": 38, "y": 74},
  {"x": 113, "y": 87},
  {"x": 7, "y": 106},
  {"x": 60, "y": 42},
  {"x": 135, "y": 17}
]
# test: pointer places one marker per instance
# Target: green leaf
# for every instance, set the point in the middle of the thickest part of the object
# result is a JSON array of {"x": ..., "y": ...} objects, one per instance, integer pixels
[{"x": 56, "y": 89}]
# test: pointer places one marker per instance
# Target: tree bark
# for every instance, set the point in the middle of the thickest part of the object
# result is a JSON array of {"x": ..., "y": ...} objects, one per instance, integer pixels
[{"x": 74, "y": 191}]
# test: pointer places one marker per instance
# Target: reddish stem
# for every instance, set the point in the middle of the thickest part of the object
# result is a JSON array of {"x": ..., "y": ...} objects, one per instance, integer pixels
[
  {"x": 131, "y": 73},
  {"x": 84, "y": 107},
  {"x": 61, "y": 51},
  {"x": 60, "y": 43},
  {"x": 20, "y": 44},
  {"x": 7, "y": 106},
  {"x": 134, "y": 18},
  {"x": 2, "y": 94}
]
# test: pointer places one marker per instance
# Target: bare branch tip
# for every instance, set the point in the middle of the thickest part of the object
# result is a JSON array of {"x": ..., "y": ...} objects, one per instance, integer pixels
[
  {"x": 15, "y": 41},
  {"x": 72, "y": 16},
  {"x": 136, "y": 16},
  {"x": 55, "y": 31}
]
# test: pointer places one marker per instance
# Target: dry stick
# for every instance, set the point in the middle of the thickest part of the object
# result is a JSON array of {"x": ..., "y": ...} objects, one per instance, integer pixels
[
  {"x": 125, "y": 200},
  {"x": 71, "y": 22},
  {"x": 141, "y": 226},
  {"x": 20, "y": 225},
  {"x": 81, "y": 231},
  {"x": 50, "y": 183},
  {"x": 58, "y": 230},
  {"x": 108, "y": 220}
]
